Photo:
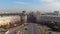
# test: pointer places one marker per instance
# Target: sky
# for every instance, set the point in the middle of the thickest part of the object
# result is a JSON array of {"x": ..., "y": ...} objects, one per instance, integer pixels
[{"x": 29, "y": 5}]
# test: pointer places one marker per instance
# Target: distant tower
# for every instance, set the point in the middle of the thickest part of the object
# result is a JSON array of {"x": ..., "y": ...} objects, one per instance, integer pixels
[
  {"x": 24, "y": 17},
  {"x": 56, "y": 12},
  {"x": 37, "y": 15}
]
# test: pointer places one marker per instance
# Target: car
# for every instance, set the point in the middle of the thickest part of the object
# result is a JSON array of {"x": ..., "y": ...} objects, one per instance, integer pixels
[
  {"x": 3, "y": 30},
  {"x": 26, "y": 28}
]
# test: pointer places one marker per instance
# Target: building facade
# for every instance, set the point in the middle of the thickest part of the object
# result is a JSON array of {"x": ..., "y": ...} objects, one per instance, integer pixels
[
  {"x": 37, "y": 15},
  {"x": 24, "y": 17},
  {"x": 50, "y": 18}
]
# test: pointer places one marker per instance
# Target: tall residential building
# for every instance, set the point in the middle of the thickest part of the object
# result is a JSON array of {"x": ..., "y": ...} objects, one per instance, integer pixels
[
  {"x": 37, "y": 15},
  {"x": 24, "y": 17},
  {"x": 56, "y": 12}
]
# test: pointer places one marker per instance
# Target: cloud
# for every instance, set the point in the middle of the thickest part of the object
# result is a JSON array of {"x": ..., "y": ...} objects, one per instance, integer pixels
[
  {"x": 21, "y": 3},
  {"x": 48, "y": 1},
  {"x": 50, "y": 5}
]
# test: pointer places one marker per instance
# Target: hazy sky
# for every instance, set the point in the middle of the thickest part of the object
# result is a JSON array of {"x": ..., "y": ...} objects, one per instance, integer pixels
[{"x": 19, "y": 5}]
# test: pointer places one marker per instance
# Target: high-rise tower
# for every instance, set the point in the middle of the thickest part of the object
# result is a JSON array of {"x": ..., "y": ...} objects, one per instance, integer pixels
[{"x": 24, "y": 17}]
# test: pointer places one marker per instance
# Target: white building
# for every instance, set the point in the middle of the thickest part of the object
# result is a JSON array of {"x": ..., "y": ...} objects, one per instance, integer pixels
[{"x": 50, "y": 18}]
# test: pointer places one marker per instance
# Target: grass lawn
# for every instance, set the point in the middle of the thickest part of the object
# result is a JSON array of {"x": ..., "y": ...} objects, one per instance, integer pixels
[
  {"x": 22, "y": 31},
  {"x": 1, "y": 32},
  {"x": 12, "y": 29}
]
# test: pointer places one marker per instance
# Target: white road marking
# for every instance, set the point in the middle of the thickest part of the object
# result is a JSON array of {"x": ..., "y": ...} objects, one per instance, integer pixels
[{"x": 32, "y": 29}]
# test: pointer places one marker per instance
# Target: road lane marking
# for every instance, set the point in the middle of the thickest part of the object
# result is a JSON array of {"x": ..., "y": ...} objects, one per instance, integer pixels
[
  {"x": 37, "y": 30},
  {"x": 32, "y": 28}
]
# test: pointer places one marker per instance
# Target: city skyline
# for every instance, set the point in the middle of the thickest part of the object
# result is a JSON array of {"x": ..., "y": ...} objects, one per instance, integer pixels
[{"x": 29, "y": 5}]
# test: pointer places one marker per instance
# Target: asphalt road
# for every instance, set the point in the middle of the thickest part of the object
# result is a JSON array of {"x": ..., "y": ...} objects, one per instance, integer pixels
[{"x": 32, "y": 28}]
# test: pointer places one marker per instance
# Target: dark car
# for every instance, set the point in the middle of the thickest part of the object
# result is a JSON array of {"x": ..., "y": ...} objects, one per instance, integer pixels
[{"x": 26, "y": 28}]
